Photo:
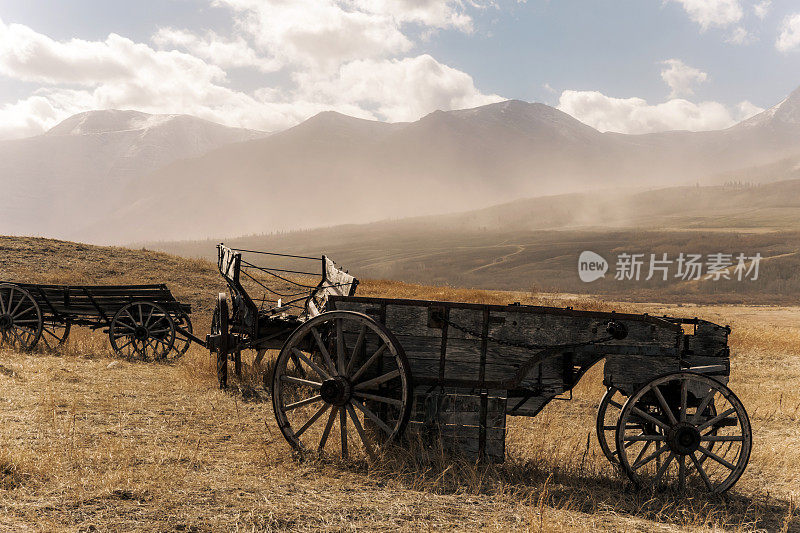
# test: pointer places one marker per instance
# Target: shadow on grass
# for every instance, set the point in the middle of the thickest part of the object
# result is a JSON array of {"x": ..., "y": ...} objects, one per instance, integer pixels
[{"x": 586, "y": 490}]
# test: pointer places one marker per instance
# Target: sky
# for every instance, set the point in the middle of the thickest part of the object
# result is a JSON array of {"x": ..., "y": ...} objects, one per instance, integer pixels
[{"x": 630, "y": 66}]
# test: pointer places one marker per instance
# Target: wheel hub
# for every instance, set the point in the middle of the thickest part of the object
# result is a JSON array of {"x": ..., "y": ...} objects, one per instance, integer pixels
[
  {"x": 336, "y": 391},
  {"x": 141, "y": 333},
  {"x": 6, "y": 322},
  {"x": 683, "y": 438}
]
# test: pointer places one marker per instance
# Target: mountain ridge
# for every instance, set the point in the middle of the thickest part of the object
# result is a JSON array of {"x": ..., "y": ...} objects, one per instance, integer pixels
[{"x": 75, "y": 173}]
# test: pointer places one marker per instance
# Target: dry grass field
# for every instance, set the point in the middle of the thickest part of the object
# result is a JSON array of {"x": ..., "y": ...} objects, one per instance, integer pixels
[{"x": 90, "y": 442}]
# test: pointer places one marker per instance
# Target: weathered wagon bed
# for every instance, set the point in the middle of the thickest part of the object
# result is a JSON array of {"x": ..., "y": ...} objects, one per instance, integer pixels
[
  {"x": 454, "y": 371},
  {"x": 145, "y": 320}
]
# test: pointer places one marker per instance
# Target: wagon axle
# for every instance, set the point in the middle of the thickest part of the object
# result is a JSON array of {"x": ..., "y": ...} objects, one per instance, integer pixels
[
  {"x": 683, "y": 438},
  {"x": 6, "y": 322},
  {"x": 336, "y": 391}
]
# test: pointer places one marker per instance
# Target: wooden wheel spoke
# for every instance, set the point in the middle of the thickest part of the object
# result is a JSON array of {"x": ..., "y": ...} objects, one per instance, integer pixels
[
  {"x": 361, "y": 433},
  {"x": 148, "y": 342},
  {"x": 699, "y": 468},
  {"x": 716, "y": 457},
  {"x": 644, "y": 438},
  {"x": 682, "y": 472},
  {"x": 359, "y": 342},
  {"x": 649, "y": 418},
  {"x": 25, "y": 330},
  {"x": 664, "y": 405},
  {"x": 298, "y": 381},
  {"x": 323, "y": 350},
  {"x": 301, "y": 403},
  {"x": 641, "y": 452},
  {"x": 12, "y": 312},
  {"x": 149, "y": 316},
  {"x": 340, "y": 349},
  {"x": 716, "y": 419},
  {"x": 311, "y": 420},
  {"x": 374, "y": 357},
  {"x": 721, "y": 438},
  {"x": 133, "y": 320},
  {"x": 51, "y": 332},
  {"x": 327, "y": 430},
  {"x": 659, "y": 450},
  {"x": 703, "y": 405},
  {"x": 127, "y": 343},
  {"x": 162, "y": 341},
  {"x": 343, "y": 431},
  {"x": 615, "y": 404},
  {"x": 16, "y": 313},
  {"x": 2, "y": 302},
  {"x": 684, "y": 403},
  {"x": 663, "y": 469},
  {"x": 312, "y": 364},
  {"x": 378, "y": 380},
  {"x": 372, "y": 416},
  {"x": 382, "y": 399}
]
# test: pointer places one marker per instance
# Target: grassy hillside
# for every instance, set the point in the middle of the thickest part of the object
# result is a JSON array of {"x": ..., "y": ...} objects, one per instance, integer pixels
[
  {"x": 540, "y": 260},
  {"x": 94, "y": 443}
]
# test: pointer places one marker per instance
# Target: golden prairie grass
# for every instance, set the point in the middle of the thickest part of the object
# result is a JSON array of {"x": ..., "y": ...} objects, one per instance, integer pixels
[{"x": 92, "y": 442}]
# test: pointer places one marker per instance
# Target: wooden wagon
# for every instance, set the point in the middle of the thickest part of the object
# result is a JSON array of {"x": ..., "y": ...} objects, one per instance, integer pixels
[
  {"x": 452, "y": 372},
  {"x": 141, "y": 320}
]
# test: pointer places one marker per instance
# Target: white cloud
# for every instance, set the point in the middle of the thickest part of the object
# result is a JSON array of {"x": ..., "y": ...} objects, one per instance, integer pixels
[
  {"x": 681, "y": 77},
  {"x": 319, "y": 34},
  {"x": 119, "y": 73},
  {"x": 433, "y": 13},
  {"x": 746, "y": 109},
  {"x": 740, "y": 35},
  {"x": 709, "y": 13},
  {"x": 762, "y": 8},
  {"x": 635, "y": 115},
  {"x": 789, "y": 37},
  {"x": 30, "y": 56},
  {"x": 398, "y": 90},
  {"x": 35, "y": 114},
  {"x": 216, "y": 50}
]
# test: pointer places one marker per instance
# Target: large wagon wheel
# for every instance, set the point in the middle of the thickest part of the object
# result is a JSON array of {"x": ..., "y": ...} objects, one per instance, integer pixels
[
  {"x": 20, "y": 318},
  {"x": 182, "y": 343},
  {"x": 219, "y": 329},
  {"x": 54, "y": 334},
  {"x": 144, "y": 329},
  {"x": 346, "y": 365},
  {"x": 702, "y": 439},
  {"x": 607, "y": 418}
]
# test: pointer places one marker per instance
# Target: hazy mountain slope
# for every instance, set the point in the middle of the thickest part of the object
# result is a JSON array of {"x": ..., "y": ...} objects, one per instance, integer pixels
[
  {"x": 77, "y": 172},
  {"x": 335, "y": 169},
  {"x": 537, "y": 241}
]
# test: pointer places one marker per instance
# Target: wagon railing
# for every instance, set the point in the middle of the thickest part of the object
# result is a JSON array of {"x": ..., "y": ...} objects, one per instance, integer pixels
[{"x": 271, "y": 293}]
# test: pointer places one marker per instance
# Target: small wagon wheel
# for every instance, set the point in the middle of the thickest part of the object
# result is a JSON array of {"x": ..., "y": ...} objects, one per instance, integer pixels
[
  {"x": 54, "y": 334},
  {"x": 182, "y": 343},
  {"x": 20, "y": 318},
  {"x": 219, "y": 328},
  {"x": 144, "y": 329},
  {"x": 703, "y": 437},
  {"x": 607, "y": 418},
  {"x": 348, "y": 366}
]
